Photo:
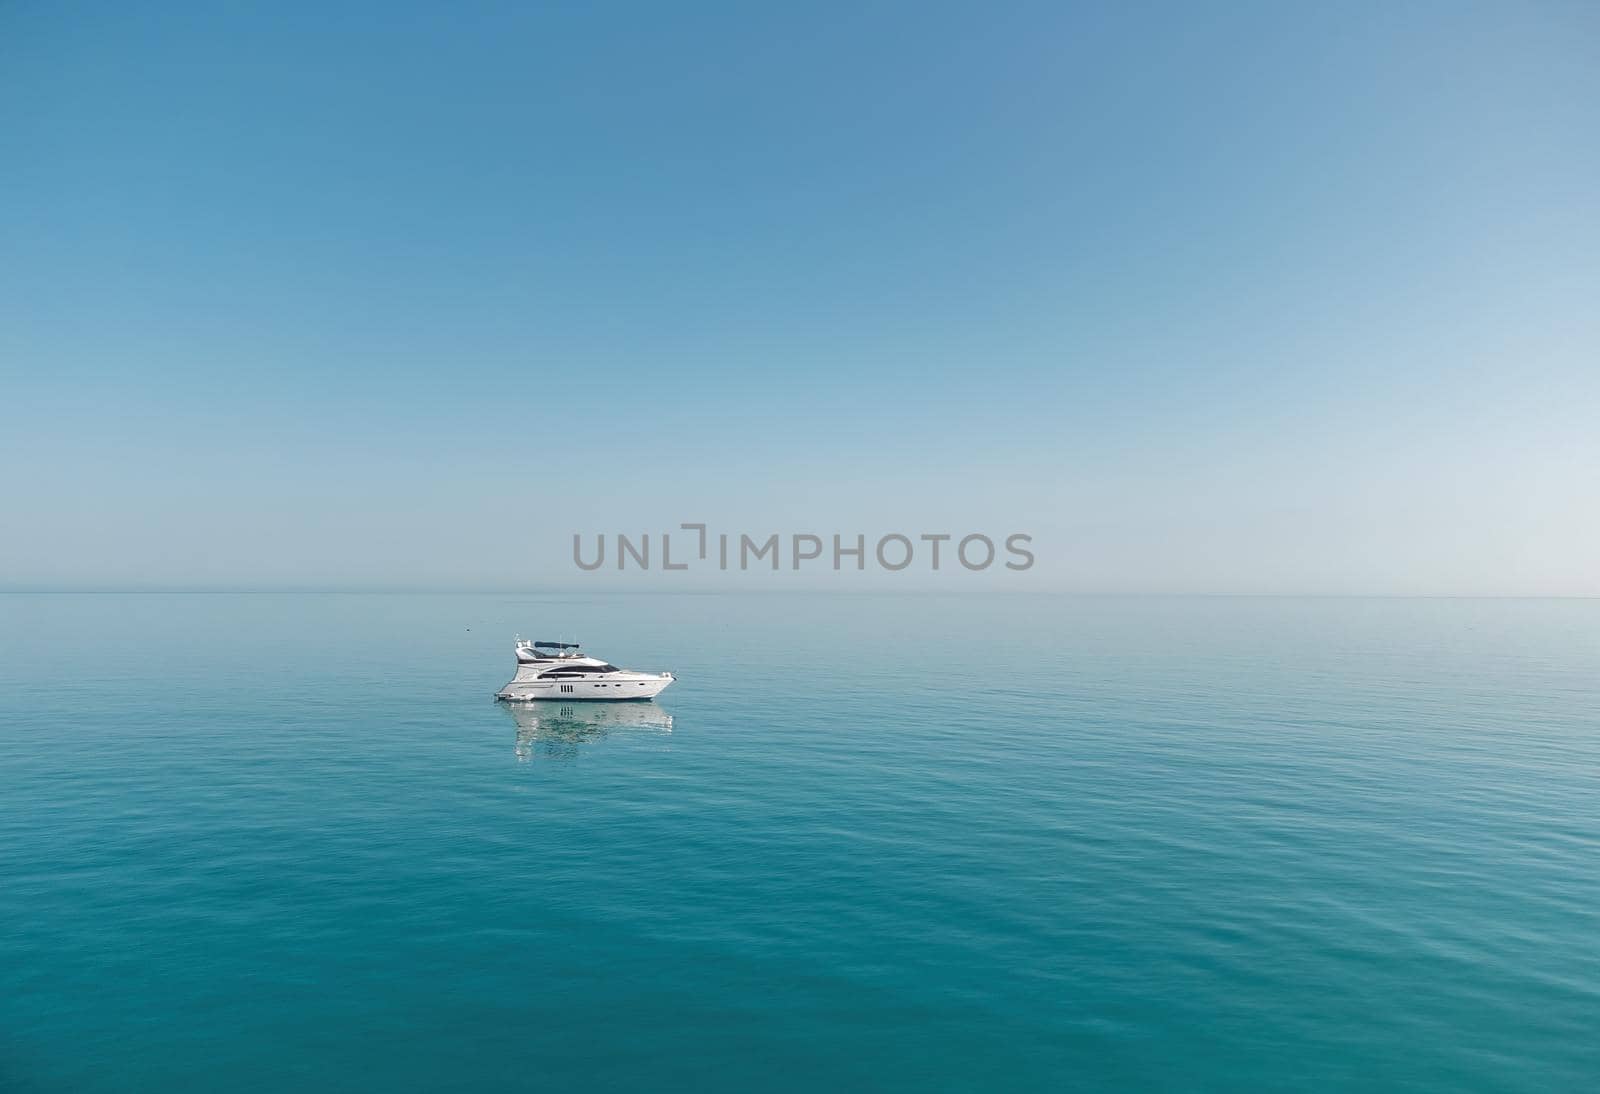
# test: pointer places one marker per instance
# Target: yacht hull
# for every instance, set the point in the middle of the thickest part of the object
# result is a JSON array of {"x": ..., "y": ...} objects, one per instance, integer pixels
[
  {"x": 611, "y": 687},
  {"x": 574, "y": 698}
]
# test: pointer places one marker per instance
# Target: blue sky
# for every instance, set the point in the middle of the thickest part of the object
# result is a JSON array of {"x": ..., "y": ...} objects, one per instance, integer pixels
[{"x": 1256, "y": 299}]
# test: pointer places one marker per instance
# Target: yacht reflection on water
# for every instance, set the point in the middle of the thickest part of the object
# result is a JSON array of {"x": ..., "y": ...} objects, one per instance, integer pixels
[{"x": 557, "y": 731}]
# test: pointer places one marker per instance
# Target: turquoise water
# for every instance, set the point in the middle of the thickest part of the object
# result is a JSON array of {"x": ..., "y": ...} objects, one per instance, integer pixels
[{"x": 867, "y": 843}]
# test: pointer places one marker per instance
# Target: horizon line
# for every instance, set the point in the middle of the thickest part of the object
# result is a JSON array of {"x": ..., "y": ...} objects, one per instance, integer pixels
[{"x": 807, "y": 590}]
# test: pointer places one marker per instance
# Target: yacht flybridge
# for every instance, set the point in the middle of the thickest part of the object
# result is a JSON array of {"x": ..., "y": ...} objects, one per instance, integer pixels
[{"x": 559, "y": 670}]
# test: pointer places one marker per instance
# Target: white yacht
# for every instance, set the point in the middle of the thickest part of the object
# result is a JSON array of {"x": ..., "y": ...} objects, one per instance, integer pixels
[{"x": 559, "y": 670}]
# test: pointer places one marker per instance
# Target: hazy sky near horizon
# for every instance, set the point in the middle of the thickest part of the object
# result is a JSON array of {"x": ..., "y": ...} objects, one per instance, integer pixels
[{"x": 1254, "y": 298}]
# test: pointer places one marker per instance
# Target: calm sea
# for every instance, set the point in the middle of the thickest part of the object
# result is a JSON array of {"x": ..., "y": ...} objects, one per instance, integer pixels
[{"x": 271, "y": 843}]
